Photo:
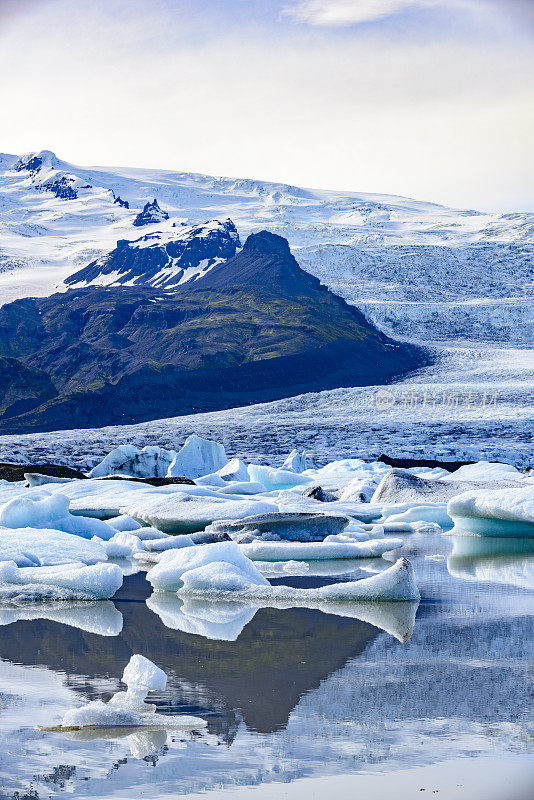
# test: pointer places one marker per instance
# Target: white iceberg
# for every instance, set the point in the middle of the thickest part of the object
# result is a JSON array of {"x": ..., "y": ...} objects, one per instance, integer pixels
[
  {"x": 395, "y": 584},
  {"x": 241, "y": 487},
  {"x": 60, "y": 582},
  {"x": 122, "y": 545},
  {"x": 129, "y": 708},
  {"x": 485, "y": 471},
  {"x": 312, "y": 551},
  {"x": 274, "y": 479},
  {"x": 45, "y": 547},
  {"x": 423, "y": 512},
  {"x": 166, "y": 576},
  {"x": 235, "y": 470},
  {"x": 150, "y": 462},
  {"x": 197, "y": 457},
  {"x": 495, "y": 512},
  {"x": 168, "y": 543},
  {"x": 123, "y": 523},
  {"x": 296, "y": 461},
  {"x": 51, "y": 511}
]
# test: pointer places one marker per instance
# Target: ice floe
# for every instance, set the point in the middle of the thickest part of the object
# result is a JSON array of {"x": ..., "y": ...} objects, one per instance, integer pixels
[
  {"x": 46, "y": 547},
  {"x": 129, "y": 708},
  {"x": 280, "y": 526},
  {"x": 182, "y": 512},
  {"x": 501, "y": 512},
  {"x": 50, "y": 511},
  {"x": 197, "y": 457},
  {"x": 74, "y": 581}
]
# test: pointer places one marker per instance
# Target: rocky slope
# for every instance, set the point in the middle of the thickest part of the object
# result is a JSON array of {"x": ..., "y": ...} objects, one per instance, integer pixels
[{"x": 254, "y": 328}]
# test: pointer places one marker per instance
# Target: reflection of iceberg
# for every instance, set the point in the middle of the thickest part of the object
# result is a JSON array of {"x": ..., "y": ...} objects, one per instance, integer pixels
[
  {"x": 100, "y": 617},
  {"x": 494, "y": 560},
  {"x": 142, "y": 743},
  {"x": 226, "y": 619},
  {"x": 214, "y": 620}
]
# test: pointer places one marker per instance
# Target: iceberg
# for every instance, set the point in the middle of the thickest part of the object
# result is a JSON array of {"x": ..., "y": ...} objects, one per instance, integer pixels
[
  {"x": 181, "y": 512},
  {"x": 242, "y": 487},
  {"x": 395, "y": 584},
  {"x": 318, "y": 551},
  {"x": 122, "y": 545},
  {"x": 197, "y": 457},
  {"x": 495, "y": 512},
  {"x": 74, "y": 581},
  {"x": 484, "y": 471},
  {"x": 129, "y": 708},
  {"x": 295, "y": 462},
  {"x": 235, "y": 470},
  {"x": 425, "y": 512},
  {"x": 166, "y": 576},
  {"x": 280, "y": 526},
  {"x": 274, "y": 479},
  {"x": 126, "y": 459},
  {"x": 46, "y": 547},
  {"x": 51, "y": 511}
]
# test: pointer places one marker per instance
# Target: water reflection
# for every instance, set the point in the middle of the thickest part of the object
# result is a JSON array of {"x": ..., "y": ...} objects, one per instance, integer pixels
[
  {"x": 496, "y": 560},
  {"x": 287, "y": 692}
]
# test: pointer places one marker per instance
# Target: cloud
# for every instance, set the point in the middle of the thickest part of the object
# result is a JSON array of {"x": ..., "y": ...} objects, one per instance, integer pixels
[{"x": 349, "y": 12}]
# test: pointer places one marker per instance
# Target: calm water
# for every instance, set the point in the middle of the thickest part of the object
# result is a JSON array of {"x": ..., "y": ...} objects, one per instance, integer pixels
[{"x": 300, "y": 703}]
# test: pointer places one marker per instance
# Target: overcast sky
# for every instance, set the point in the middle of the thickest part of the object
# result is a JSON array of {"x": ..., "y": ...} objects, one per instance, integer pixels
[{"x": 426, "y": 98}]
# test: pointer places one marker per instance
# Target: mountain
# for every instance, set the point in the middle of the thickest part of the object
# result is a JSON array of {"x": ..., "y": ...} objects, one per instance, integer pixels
[
  {"x": 251, "y": 329},
  {"x": 419, "y": 270},
  {"x": 165, "y": 258}
]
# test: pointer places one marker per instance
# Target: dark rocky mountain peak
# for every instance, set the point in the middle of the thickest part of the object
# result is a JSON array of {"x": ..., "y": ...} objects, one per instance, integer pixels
[{"x": 150, "y": 214}]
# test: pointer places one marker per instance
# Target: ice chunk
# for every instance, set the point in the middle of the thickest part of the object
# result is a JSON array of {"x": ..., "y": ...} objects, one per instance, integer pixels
[
  {"x": 60, "y": 582},
  {"x": 502, "y": 512},
  {"x": 186, "y": 513},
  {"x": 168, "y": 543},
  {"x": 213, "y": 479},
  {"x": 280, "y": 526},
  {"x": 485, "y": 471},
  {"x": 122, "y": 545},
  {"x": 274, "y": 479},
  {"x": 295, "y": 462},
  {"x": 358, "y": 490},
  {"x": 400, "y": 486},
  {"x": 197, "y": 457},
  {"x": 242, "y": 487},
  {"x": 51, "y": 511},
  {"x": 129, "y": 708},
  {"x": 150, "y": 462},
  {"x": 166, "y": 576},
  {"x": 123, "y": 523},
  {"x": 310, "y": 551},
  {"x": 427, "y": 512},
  {"x": 48, "y": 547},
  {"x": 36, "y": 479},
  {"x": 393, "y": 585},
  {"x": 235, "y": 470},
  {"x": 220, "y": 576}
]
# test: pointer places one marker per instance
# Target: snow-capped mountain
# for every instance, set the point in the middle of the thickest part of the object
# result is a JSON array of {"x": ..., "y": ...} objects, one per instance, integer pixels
[
  {"x": 419, "y": 270},
  {"x": 174, "y": 254}
]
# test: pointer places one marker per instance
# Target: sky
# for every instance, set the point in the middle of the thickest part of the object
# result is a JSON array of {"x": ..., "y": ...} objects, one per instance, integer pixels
[{"x": 429, "y": 99}]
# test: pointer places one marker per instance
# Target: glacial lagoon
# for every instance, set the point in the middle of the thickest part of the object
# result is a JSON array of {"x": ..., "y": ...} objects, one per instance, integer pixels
[{"x": 384, "y": 702}]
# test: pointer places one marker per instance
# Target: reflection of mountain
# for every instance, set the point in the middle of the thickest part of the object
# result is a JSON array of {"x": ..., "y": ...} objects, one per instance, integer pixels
[{"x": 285, "y": 653}]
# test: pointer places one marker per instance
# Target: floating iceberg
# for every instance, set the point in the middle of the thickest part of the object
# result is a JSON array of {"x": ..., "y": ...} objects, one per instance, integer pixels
[
  {"x": 196, "y": 458},
  {"x": 312, "y": 551},
  {"x": 129, "y": 708},
  {"x": 235, "y": 470},
  {"x": 485, "y": 471},
  {"x": 150, "y": 462},
  {"x": 495, "y": 512},
  {"x": 166, "y": 576},
  {"x": 181, "y": 512},
  {"x": 122, "y": 545},
  {"x": 60, "y": 582},
  {"x": 45, "y": 547},
  {"x": 395, "y": 584},
  {"x": 425, "y": 512},
  {"x": 280, "y": 526},
  {"x": 295, "y": 462},
  {"x": 51, "y": 511},
  {"x": 274, "y": 479}
]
